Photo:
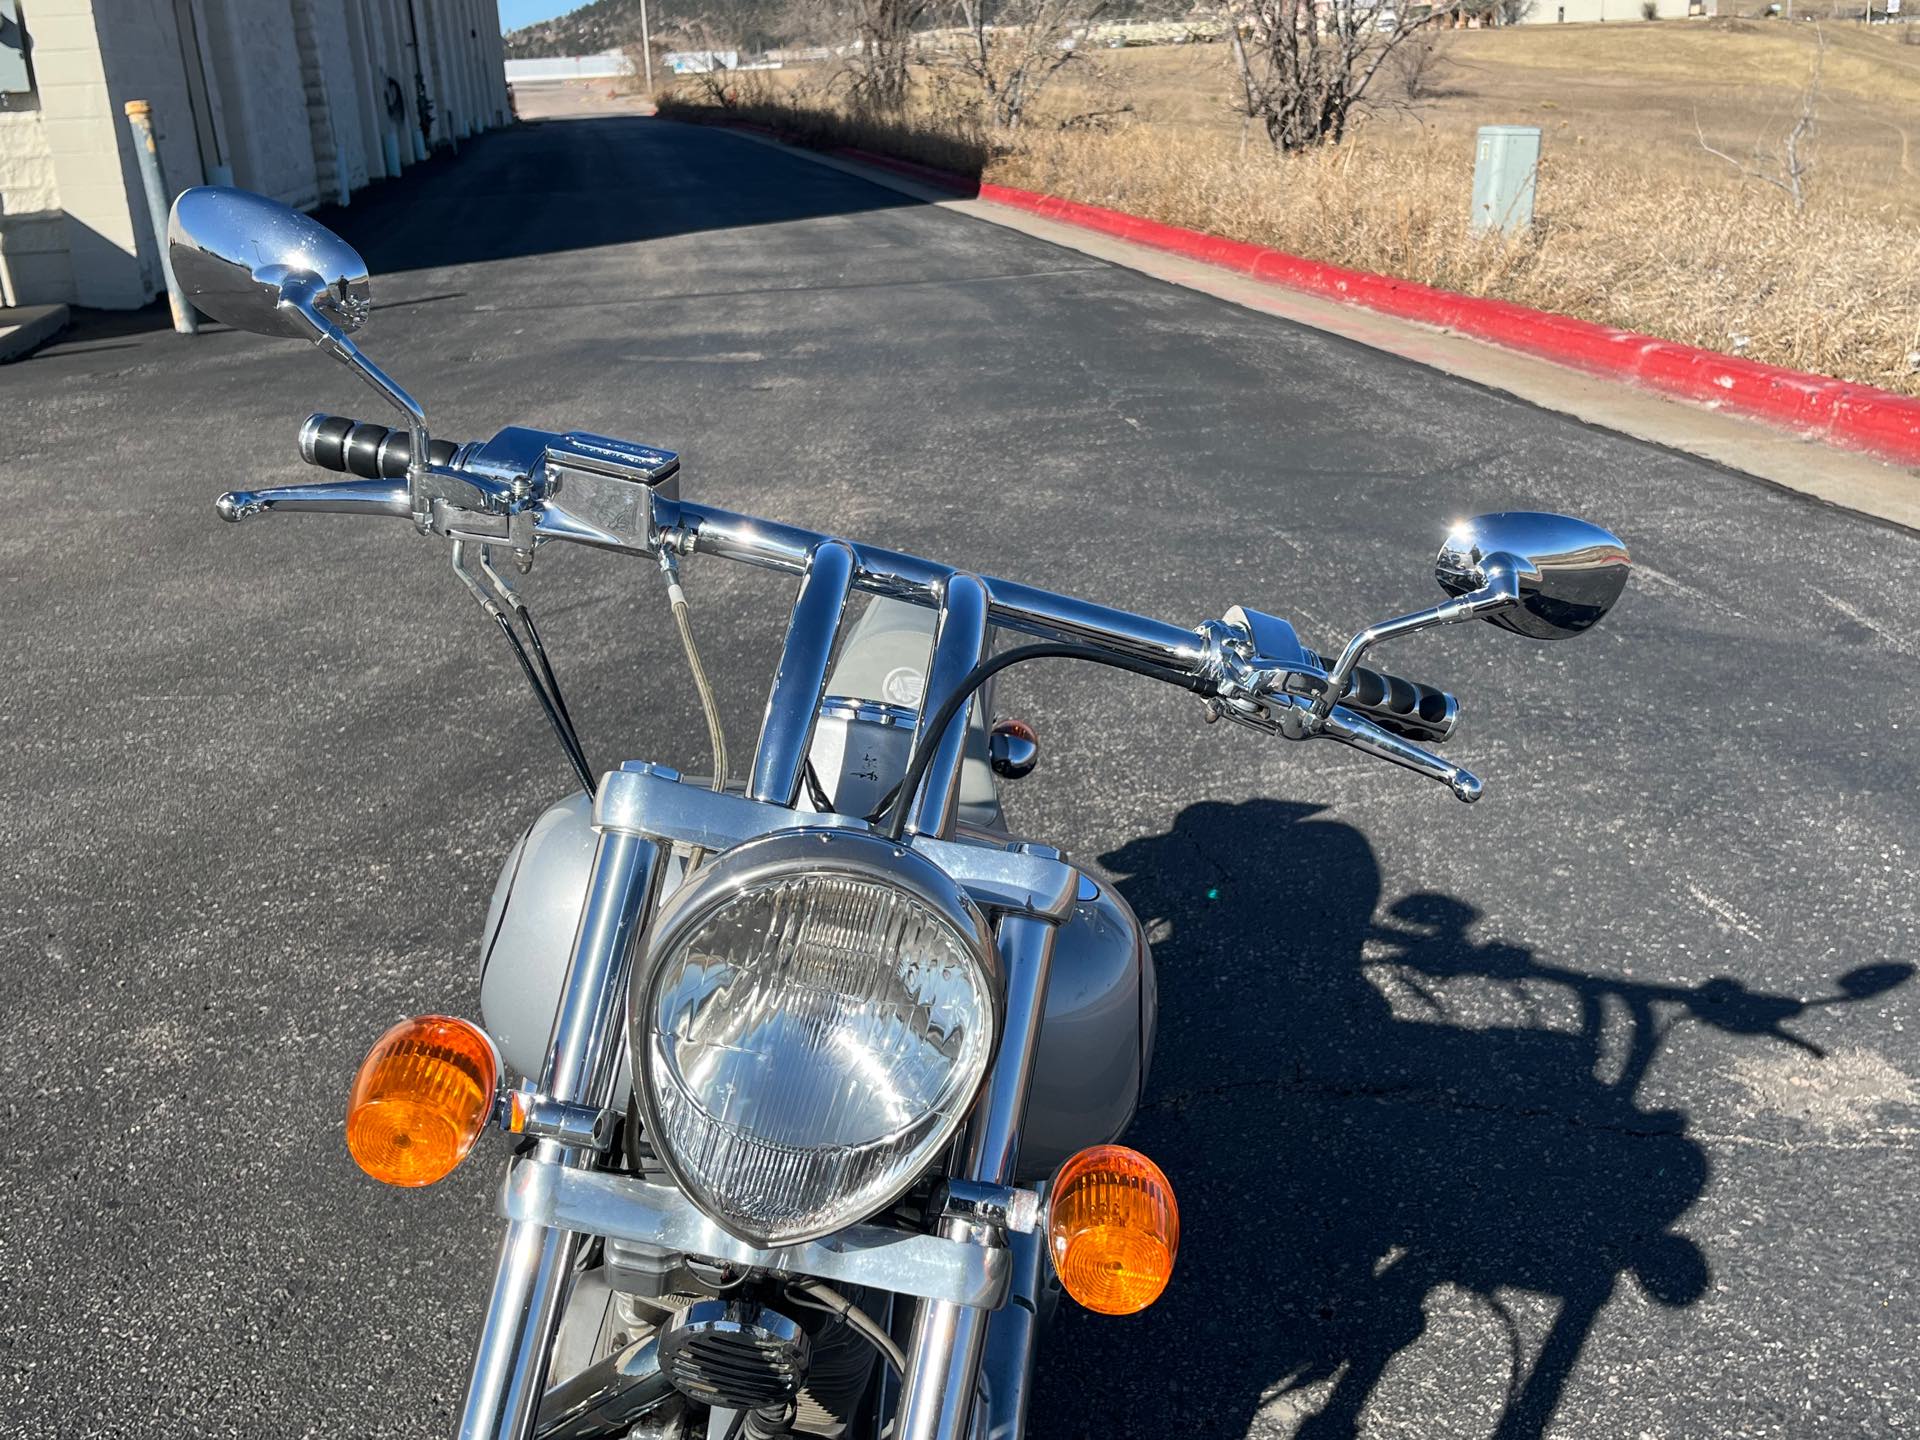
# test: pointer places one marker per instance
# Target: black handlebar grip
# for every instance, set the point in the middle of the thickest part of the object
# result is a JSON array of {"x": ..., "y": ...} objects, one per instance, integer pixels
[
  {"x": 1419, "y": 712},
  {"x": 358, "y": 447}
]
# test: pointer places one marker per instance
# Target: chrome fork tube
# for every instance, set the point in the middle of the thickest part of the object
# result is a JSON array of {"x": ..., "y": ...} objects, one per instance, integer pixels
[
  {"x": 510, "y": 1367},
  {"x": 794, "y": 702},
  {"x": 1012, "y": 1332},
  {"x": 536, "y": 1261},
  {"x": 943, "y": 1364}
]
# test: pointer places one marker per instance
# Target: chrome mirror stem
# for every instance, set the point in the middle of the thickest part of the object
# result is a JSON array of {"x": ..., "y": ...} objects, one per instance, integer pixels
[
  {"x": 1500, "y": 591},
  {"x": 297, "y": 295}
]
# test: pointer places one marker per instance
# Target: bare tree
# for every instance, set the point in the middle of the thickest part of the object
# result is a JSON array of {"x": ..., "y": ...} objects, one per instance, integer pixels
[
  {"x": 1787, "y": 168},
  {"x": 879, "y": 74},
  {"x": 1417, "y": 66},
  {"x": 1013, "y": 48},
  {"x": 1306, "y": 66}
]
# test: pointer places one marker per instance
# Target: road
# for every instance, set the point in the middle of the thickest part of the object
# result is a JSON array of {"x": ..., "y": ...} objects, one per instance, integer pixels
[{"x": 1552, "y": 1116}]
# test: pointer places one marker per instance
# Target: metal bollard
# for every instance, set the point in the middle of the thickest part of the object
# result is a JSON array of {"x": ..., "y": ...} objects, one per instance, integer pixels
[
  {"x": 146, "y": 147},
  {"x": 1506, "y": 160}
]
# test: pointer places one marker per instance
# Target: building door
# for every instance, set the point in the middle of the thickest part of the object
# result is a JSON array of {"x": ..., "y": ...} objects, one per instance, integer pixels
[{"x": 193, "y": 63}]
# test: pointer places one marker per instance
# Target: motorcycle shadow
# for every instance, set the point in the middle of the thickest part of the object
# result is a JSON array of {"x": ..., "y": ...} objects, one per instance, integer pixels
[{"x": 1339, "y": 1163}]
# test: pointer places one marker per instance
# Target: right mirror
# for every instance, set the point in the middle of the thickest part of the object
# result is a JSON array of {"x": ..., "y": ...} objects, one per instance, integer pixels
[{"x": 1568, "y": 571}]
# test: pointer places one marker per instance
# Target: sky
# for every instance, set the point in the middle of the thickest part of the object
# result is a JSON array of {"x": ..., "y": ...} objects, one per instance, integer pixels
[{"x": 515, "y": 13}]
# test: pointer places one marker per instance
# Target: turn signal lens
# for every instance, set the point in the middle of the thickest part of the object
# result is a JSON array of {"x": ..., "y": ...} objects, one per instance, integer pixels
[
  {"x": 1113, "y": 1229},
  {"x": 421, "y": 1099}
]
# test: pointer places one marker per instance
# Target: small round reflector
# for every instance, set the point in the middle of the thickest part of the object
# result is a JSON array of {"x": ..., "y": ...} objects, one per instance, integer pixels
[
  {"x": 421, "y": 1099},
  {"x": 1113, "y": 1229}
]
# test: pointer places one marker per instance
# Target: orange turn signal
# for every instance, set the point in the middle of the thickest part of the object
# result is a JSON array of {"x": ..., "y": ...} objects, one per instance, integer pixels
[
  {"x": 421, "y": 1099},
  {"x": 1113, "y": 1229}
]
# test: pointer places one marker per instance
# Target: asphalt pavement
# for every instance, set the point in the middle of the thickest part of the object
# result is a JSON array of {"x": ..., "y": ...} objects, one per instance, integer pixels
[{"x": 1588, "y": 1111}]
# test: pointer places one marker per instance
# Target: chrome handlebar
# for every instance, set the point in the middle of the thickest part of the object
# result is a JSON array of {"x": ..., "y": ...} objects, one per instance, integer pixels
[{"x": 525, "y": 487}]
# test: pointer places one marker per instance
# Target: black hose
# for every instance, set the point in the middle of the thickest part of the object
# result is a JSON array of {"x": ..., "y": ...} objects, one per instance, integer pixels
[{"x": 1044, "y": 650}]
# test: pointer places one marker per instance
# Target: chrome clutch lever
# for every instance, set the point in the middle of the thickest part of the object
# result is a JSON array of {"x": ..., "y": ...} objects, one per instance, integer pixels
[
  {"x": 340, "y": 497},
  {"x": 1264, "y": 678},
  {"x": 459, "y": 507}
]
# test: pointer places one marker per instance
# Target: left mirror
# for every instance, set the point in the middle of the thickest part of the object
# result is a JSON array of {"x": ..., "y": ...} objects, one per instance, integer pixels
[{"x": 254, "y": 264}]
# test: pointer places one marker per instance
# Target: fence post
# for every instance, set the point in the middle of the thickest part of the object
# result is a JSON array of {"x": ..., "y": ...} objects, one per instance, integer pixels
[{"x": 146, "y": 147}]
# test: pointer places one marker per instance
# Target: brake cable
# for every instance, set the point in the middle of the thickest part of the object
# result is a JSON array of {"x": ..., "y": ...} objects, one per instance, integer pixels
[{"x": 710, "y": 707}]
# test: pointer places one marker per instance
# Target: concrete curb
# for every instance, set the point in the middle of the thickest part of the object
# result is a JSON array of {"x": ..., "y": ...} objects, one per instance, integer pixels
[
  {"x": 1819, "y": 407},
  {"x": 1858, "y": 417},
  {"x": 26, "y": 329}
]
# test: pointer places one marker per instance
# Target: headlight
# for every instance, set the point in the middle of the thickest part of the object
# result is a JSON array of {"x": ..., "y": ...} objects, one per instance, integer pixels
[{"x": 810, "y": 1026}]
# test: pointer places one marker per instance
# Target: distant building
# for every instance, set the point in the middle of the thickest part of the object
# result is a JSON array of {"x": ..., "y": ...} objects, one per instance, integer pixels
[
  {"x": 302, "y": 100},
  {"x": 702, "y": 62},
  {"x": 604, "y": 65},
  {"x": 1587, "y": 12}
]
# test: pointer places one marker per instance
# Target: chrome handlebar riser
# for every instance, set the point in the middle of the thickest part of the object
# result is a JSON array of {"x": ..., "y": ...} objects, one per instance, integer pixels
[
  {"x": 793, "y": 703},
  {"x": 960, "y": 642}
]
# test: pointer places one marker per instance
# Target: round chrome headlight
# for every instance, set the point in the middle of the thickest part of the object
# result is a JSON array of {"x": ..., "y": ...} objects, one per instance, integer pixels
[{"x": 811, "y": 1023}]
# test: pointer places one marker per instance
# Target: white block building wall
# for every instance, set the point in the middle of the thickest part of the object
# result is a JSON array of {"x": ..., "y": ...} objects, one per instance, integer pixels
[
  {"x": 302, "y": 100},
  {"x": 1623, "y": 12}
]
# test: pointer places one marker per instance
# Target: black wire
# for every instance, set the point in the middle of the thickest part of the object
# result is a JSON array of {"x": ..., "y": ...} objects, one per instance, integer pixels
[
  {"x": 1045, "y": 650},
  {"x": 568, "y": 742},
  {"x": 574, "y": 747},
  {"x": 815, "y": 792},
  {"x": 553, "y": 681},
  {"x": 886, "y": 802}
]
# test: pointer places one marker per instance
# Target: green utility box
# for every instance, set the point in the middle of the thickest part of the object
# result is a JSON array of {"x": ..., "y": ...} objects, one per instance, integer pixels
[{"x": 1504, "y": 166}]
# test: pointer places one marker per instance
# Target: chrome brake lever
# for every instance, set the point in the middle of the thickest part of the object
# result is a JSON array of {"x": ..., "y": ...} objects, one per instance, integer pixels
[
  {"x": 1362, "y": 734},
  {"x": 1254, "y": 662},
  {"x": 1292, "y": 716}
]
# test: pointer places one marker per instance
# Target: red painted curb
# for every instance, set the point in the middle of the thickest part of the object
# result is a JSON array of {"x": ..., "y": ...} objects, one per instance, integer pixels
[
  {"x": 1857, "y": 417},
  {"x": 1853, "y": 416}
]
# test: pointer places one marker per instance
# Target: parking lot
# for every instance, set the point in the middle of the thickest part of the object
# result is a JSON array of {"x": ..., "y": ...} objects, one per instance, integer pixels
[{"x": 1588, "y": 1111}]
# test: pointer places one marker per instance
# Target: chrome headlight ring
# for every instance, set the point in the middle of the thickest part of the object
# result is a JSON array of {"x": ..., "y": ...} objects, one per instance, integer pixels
[{"x": 810, "y": 1025}]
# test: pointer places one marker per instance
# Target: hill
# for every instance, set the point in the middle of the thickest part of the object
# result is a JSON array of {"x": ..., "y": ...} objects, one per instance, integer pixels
[{"x": 602, "y": 25}]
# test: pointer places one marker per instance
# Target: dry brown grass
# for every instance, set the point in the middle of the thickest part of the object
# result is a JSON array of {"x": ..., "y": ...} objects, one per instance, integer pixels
[{"x": 1636, "y": 226}]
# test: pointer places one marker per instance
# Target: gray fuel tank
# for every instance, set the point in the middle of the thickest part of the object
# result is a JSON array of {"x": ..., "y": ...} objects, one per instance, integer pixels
[{"x": 1095, "y": 1043}]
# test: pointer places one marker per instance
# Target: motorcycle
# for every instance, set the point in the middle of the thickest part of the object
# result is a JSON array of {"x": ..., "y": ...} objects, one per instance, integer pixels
[{"x": 821, "y": 1072}]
